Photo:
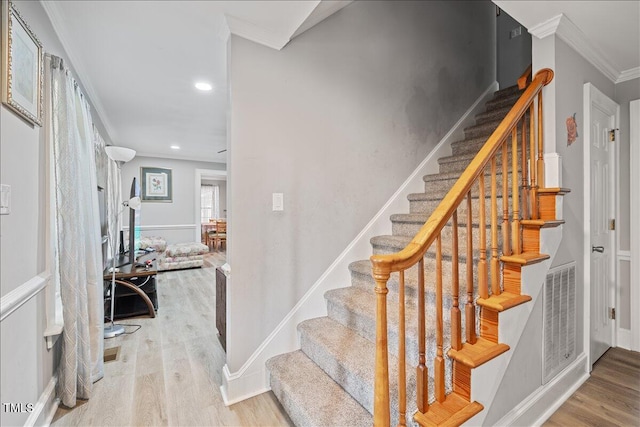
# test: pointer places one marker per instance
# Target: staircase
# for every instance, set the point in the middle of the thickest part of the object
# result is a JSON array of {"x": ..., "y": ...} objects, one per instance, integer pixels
[{"x": 339, "y": 372}]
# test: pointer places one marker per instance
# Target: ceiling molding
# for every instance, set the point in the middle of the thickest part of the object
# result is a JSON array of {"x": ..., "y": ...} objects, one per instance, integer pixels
[
  {"x": 631, "y": 74},
  {"x": 250, "y": 31},
  {"x": 57, "y": 21},
  {"x": 323, "y": 10},
  {"x": 546, "y": 28},
  {"x": 574, "y": 37},
  {"x": 196, "y": 158}
]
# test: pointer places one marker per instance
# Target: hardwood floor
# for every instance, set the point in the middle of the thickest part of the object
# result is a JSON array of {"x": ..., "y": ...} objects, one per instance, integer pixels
[
  {"x": 610, "y": 397},
  {"x": 169, "y": 371}
]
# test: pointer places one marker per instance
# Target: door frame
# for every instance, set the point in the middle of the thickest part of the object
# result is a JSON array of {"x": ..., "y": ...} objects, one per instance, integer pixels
[
  {"x": 634, "y": 226},
  {"x": 218, "y": 175},
  {"x": 594, "y": 97}
]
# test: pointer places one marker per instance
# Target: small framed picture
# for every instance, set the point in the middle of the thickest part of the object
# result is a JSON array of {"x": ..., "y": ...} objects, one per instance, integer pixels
[
  {"x": 22, "y": 65},
  {"x": 156, "y": 184}
]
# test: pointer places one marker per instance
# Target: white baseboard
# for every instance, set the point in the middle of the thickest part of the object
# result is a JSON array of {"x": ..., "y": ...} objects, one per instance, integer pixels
[
  {"x": 623, "y": 338},
  {"x": 46, "y": 406},
  {"x": 542, "y": 403},
  {"x": 251, "y": 378}
]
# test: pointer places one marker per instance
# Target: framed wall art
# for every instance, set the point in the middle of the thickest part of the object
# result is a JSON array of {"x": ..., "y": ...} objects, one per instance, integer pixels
[
  {"x": 22, "y": 65},
  {"x": 156, "y": 184}
]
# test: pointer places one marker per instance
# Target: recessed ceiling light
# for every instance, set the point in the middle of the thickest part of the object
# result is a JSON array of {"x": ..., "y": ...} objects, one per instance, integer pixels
[
  {"x": 175, "y": 147},
  {"x": 203, "y": 86}
]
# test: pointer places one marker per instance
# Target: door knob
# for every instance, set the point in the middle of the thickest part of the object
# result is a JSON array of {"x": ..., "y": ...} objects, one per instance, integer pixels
[{"x": 597, "y": 249}]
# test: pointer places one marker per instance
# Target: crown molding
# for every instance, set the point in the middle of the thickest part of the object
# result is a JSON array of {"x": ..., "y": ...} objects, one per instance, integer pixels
[
  {"x": 547, "y": 27},
  {"x": 566, "y": 30},
  {"x": 630, "y": 74},
  {"x": 320, "y": 12},
  {"x": 250, "y": 31},
  {"x": 52, "y": 10}
]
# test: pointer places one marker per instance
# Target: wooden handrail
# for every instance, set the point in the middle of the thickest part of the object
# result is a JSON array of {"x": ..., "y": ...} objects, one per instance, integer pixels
[
  {"x": 431, "y": 231},
  {"x": 411, "y": 254},
  {"x": 524, "y": 78}
]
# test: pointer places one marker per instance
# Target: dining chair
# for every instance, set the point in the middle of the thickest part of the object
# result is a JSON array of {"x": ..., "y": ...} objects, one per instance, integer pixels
[{"x": 219, "y": 235}]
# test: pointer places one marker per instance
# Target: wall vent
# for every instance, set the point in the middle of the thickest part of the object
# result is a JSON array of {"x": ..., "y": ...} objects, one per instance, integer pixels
[{"x": 559, "y": 320}]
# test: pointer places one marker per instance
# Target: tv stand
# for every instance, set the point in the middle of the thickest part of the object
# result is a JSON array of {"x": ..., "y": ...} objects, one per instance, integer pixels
[{"x": 135, "y": 291}]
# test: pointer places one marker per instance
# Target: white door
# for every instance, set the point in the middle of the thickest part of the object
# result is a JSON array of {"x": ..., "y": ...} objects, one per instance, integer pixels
[{"x": 602, "y": 120}]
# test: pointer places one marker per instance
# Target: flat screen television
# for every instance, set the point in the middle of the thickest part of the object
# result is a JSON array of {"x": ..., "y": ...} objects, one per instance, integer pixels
[{"x": 134, "y": 223}]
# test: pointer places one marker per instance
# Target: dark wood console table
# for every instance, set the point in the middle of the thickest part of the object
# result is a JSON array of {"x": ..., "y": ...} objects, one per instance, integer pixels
[{"x": 135, "y": 292}]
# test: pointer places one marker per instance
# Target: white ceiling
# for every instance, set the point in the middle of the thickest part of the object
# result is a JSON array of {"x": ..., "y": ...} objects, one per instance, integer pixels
[
  {"x": 609, "y": 29},
  {"x": 138, "y": 60}
]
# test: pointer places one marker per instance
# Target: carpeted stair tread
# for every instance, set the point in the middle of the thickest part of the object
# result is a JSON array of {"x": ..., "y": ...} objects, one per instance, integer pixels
[
  {"x": 385, "y": 244},
  {"x": 447, "y": 176},
  {"x": 310, "y": 396},
  {"x": 492, "y": 114},
  {"x": 502, "y": 100},
  {"x": 361, "y": 277},
  {"x": 355, "y": 308},
  {"x": 484, "y": 129},
  {"x": 349, "y": 360},
  {"x": 508, "y": 91}
]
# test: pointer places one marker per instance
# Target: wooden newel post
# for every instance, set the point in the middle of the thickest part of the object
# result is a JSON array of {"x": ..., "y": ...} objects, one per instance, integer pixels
[{"x": 381, "y": 411}]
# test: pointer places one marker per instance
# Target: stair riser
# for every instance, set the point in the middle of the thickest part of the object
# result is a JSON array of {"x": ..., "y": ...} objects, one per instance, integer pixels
[
  {"x": 365, "y": 281},
  {"x": 447, "y": 244},
  {"x": 501, "y": 102},
  {"x": 360, "y": 385},
  {"x": 492, "y": 115},
  {"x": 452, "y": 165},
  {"x": 410, "y": 229},
  {"x": 429, "y": 206},
  {"x": 473, "y": 145},
  {"x": 482, "y": 130},
  {"x": 440, "y": 188},
  {"x": 366, "y": 328}
]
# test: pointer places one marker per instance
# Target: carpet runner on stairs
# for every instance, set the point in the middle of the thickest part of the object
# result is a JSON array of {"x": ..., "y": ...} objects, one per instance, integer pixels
[{"x": 330, "y": 380}]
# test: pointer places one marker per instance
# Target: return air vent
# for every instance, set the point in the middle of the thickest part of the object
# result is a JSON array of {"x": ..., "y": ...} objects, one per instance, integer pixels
[{"x": 559, "y": 320}]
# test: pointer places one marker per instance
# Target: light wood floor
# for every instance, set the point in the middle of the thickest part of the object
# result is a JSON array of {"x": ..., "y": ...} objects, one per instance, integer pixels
[
  {"x": 169, "y": 371},
  {"x": 610, "y": 397}
]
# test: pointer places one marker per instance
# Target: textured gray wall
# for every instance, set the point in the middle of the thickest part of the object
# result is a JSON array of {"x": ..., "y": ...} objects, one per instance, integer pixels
[
  {"x": 336, "y": 121},
  {"x": 514, "y": 54}
]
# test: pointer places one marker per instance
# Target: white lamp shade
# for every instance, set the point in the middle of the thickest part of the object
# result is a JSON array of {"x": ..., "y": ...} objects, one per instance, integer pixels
[
  {"x": 119, "y": 154},
  {"x": 134, "y": 203}
]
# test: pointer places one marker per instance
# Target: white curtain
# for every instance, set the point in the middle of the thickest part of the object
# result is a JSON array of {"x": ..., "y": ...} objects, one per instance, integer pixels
[
  {"x": 209, "y": 202},
  {"x": 77, "y": 224},
  {"x": 114, "y": 206}
]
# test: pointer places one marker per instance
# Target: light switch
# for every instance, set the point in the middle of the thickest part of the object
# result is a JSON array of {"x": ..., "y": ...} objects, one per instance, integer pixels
[
  {"x": 278, "y": 202},
  {"x": 5, "y": 199}
]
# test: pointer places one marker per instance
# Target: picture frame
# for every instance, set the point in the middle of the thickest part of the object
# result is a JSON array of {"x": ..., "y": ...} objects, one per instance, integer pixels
[
  {"x": 156, "y": 184},
  {"x": 22, "y": 68}
]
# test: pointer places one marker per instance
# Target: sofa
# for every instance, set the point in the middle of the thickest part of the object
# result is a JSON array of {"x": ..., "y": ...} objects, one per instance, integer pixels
[{"x": 175, "y": 256}]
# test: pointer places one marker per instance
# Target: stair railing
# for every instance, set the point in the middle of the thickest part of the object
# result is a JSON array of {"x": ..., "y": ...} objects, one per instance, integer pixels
[{"x": 526, "y": 115}]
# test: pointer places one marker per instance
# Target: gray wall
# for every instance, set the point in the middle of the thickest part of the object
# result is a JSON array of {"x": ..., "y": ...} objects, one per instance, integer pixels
[
  {"x": 336, "y": 121},
  {"x": 514, "y": 54},
  {"x": 26, "y": 364},
  {"x": 180, "y": 213}
]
